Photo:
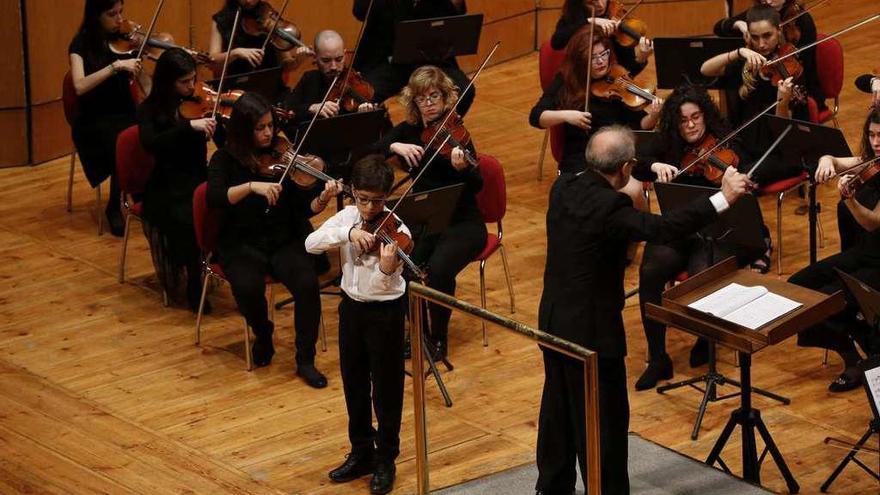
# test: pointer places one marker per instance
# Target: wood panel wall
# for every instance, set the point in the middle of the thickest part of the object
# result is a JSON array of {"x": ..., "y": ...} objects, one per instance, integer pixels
[{"x": 31, "y": 117}]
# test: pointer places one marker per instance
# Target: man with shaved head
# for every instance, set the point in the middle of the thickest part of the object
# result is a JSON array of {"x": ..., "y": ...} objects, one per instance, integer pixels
[{"x": 589, "y": 224}]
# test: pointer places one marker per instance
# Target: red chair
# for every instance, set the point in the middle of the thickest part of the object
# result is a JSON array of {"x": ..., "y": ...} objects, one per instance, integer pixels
[
  {"x": 69, "y": 99},
  {"x": 780, "y": 189},
  {"x": 134, "y": 166},
  {"x": 549, "y": 61},
  {"x": 829, "y": 64},
  {"x": 492, "y": 202},
  {"x": 206, "y": 222}
]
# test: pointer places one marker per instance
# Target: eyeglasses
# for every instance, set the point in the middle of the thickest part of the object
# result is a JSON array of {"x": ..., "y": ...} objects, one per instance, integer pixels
[
  {"x": 602, "y": 55},
  {"x": 693, "y": 119},
  {"x": 362, "y": 201},
  {"x": 429, "y": 99}
]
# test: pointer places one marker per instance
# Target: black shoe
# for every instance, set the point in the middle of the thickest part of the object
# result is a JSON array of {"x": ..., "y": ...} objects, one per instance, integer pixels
[
  {"x": 355, "y": 466},
  {"x": 262, "y": 350},
  {"x": 659, "y": 369},
  {"x": 383, "y": 478},
  {"x": 311, "y": 375},
  {"x": 699, "y": 353},
  {"x": 115, "y": 222},
  {"x": 850, "y": 378},
  {"x": 438, "y": 350}
]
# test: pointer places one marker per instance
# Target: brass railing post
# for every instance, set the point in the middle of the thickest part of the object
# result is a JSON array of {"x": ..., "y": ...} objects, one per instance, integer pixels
[{"x": 416, "y": 305}]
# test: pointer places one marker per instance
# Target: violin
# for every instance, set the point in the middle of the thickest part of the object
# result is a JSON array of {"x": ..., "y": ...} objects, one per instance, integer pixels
[
  {"x": 305, "y": 172},
  {"x": 281, "y": 33},
  {"x": 458, "y": 137},
  {"x": 351, "y": 90},
  {"x": 618, "y": 85},
  {"x": 790, "y": 66},
  {"x": 201, "y": 104},
  {"x": 131, "y": 36},
  {"x": 869, "y": 170},
  {"x": 790, "y": 29},
  {"x": 712, "y": 165},
  {"x": 629, "y": 29},
  {"x": 385, "y": 226}
]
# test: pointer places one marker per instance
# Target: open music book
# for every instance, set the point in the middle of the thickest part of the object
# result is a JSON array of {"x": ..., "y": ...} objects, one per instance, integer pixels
[{"x": 751, "y": 307}]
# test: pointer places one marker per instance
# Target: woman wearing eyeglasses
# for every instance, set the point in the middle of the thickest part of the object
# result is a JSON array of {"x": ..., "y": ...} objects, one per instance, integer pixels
[
  {"x": 428, "y": 96},
  {"x": 563, "y": 103},
  {"x": 264, "y": 227}
]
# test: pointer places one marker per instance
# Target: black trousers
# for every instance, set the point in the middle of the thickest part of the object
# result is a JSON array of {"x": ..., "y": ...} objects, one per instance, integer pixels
[
  {"x": 660, "y": 265},
  {"x": 446, "y": 255},
  {"x": 839, "y": 332},
  {"x": 561, "y": 425},
  {"x": 371, "y": 359},
  {"x": 246, "y": 271},
  {"x": 388, "y": 79}
]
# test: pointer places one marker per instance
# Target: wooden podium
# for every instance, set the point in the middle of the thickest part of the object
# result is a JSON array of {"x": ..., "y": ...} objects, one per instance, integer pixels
[{"x": 674, "y": 311}]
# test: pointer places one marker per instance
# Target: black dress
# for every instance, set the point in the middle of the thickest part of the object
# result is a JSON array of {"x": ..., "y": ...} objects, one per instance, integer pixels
[
  {"x": 254, "y": 243},
  {"x": 377, "y": 45},
  {"x": 450, "y": 252},
  {"x": 567, "y": 26},
  {"x": 224, "y": 19},
  {"x": 180, "y": 154},
  {"x": 103, "y": 113},
  {"x": 604, "y": 113}
]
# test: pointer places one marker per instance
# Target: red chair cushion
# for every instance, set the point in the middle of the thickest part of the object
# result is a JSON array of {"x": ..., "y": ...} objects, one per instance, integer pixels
[
  {"x": 557, "y": 142},
  {"x": 549, "y": 61},
  {"x": 206, "y": 221},
  {"x": 784, "y": 184},
  {"x": 682, "y": 276},
  {"x": 69, "y": 98},
  {"x": 492, "y": 245},
  {"x": 492, "y": 198},
  {"x": 137, "y": 209},
  {"x": 829, "y": 62},
  {"x": 825, "y": 115},
  {"x": 133, "y": 164}
]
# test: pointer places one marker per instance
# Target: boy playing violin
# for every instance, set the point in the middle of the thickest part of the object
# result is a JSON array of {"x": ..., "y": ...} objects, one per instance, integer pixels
[{"x": 371, "y": 326}]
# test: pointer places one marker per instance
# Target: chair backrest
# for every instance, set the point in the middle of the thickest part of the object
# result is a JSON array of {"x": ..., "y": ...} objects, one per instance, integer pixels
[
  {"x": 549, "y": 61},
  {"x": 829, "y": 64},
  {"x": 133, "y": 164},
  {"x": 492, "y": 198},
  {"x": 69, "y": 98},
  {"x": 206, "y": 221}
]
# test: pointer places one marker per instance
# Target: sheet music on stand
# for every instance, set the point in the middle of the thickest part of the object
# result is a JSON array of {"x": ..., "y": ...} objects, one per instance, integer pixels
[
  {"x": 872, "y": 384},
  {"x": 751, "y": 307}
]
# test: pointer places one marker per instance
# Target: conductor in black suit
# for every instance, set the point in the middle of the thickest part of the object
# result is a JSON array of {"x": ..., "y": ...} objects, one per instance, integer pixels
[{"x": 589, "y": 224}]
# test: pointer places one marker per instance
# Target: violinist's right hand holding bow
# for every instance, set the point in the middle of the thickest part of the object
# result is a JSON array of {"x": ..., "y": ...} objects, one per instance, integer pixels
[
  {"x": 411, "y": 153},
  {"x": 130, "y": 65},
  {"x": 605, "y": 27},
  {"x": 269, "y": 190},
  {"x": 330, "y": 109},
  {"x": 206, "y": 126},
  {"x": 754, "y": 60},
  {"x": 825, "y": 169},
  {"x": 253, "y": 56},
  {"x": 735, "y": 185},
  {"x": 577, "y": 118},
  {"x": 664, "y": 171}
]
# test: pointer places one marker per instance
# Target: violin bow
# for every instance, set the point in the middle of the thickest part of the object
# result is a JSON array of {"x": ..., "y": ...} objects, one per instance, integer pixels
[
  {"x": 159, "y": 5},
  {"x": 802, "y": 12},
  {"x": 437, "y": 133},
  {"x": 226, "y": 63},
  {"x": 354, "y": 55},
  {"x": 590, "y": 60},
  {"x": 827, "y": 38},
  {"x": 305, "y": 134},
  {"x": 769, "y": 150},
  {"x": 855, "y": 169},
  {"x": 725, "y": 140},
  {"x": 274, "y": 25},
  {"x": 634, "y": 7}
]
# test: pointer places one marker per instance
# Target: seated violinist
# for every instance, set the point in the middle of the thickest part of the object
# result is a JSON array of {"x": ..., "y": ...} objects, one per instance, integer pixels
[
  {"x": 689, "y": 122},
  {"x": 374, "y": 59},
  {"x": 761, "y": 85},
  {"x": 427, "y": 99},
  {"x": 305, "y": 99},
  {"x": 563, "y": 103},
  {"x": 859, "y": 196},
  {"x": 263, "y": 231},
  {"x": 576, "y": 15}
]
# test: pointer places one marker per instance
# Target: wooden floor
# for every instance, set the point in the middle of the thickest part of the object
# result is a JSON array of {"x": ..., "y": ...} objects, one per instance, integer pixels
[{"x": 103, "y": 391}]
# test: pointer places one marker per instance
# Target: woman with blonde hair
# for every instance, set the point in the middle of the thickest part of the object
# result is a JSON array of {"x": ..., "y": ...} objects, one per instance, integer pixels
[{"x": 427, "y": 98}]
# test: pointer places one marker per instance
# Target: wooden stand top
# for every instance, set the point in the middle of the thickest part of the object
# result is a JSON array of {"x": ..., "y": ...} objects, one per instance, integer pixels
[{"x": 816, "y": 307}]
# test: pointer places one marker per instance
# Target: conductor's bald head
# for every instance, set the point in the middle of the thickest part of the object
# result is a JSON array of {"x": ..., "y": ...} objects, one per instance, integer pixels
[{"x": 609, "y": 149}]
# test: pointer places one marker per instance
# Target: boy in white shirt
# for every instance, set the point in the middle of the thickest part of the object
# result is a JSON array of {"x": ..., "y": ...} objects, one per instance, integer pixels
[{"x": 371, "y": 326}]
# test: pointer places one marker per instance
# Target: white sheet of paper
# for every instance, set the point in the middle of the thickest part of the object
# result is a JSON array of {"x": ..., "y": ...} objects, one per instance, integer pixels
[
  {"x": 873, "y": 376},
  {"x": 728, "y": 299},
  {"x": 762, "y": 310}
]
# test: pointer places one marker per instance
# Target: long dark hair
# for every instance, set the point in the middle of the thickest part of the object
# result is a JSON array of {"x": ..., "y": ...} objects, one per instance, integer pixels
[
  {"x": 670, "y": 116},
  {"x": 246, "y": 112},
  {"x": 90, "y": 31},
  {"x": 171, "y": 66},
  {"x": 767, "y": 13},
  {"x": 873, "y": 118}
]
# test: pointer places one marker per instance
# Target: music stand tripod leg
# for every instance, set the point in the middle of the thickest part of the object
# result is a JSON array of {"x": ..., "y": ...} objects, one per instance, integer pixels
[
  {"x": 790, "y": 482},
  {"x": 851, "y": 456}
]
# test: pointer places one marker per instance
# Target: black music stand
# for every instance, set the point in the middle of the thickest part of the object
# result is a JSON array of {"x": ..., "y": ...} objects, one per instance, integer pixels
[
  {"x": 432, "y": 40},
  {"x": 868, "y": 300},
  {"x": 806, "y": 142},
  {"x": 739, "y": 225},
  {"x": 678, "y": 61},
  {"x": 428, "y": 213},
  {"x": 346, "y": 136},
  {"x": 266, "y": 82}
]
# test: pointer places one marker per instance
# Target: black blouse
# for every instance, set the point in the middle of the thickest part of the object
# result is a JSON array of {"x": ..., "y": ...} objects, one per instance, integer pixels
[
  {"x": 440, "y": 173},
  {"x": 659, "y": 149},
  {"x": 807, "y": 27},
  {"x": 247, "y": 223},
  {"x": 224, "y": 20},
  {"x": 566, "y": 27},
  {"x": 603, "y": 112},
  {"x": 111, "y": 97},
  {"x": 181, "y": 155}
]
